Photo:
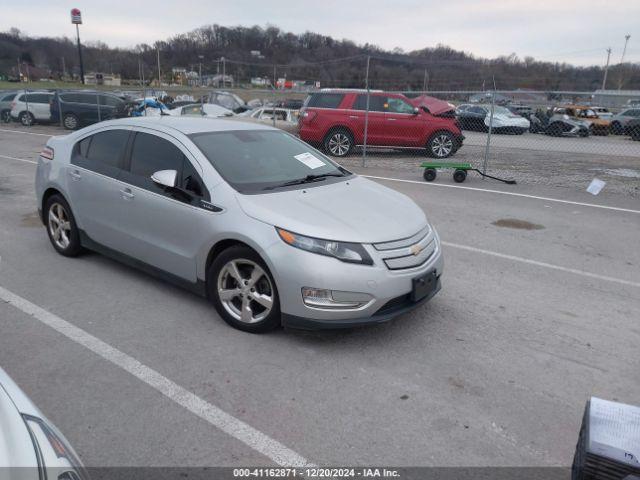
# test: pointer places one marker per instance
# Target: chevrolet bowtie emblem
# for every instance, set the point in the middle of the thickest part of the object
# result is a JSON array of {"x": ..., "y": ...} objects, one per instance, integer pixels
[{"x": 416, "y": 249}]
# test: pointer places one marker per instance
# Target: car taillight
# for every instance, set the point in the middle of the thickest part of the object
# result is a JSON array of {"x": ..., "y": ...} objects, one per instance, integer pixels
[
  {"x": 308, "y": 116},
  {"x": 13, "y": 105},
  {"x": 47, "y": 153}
]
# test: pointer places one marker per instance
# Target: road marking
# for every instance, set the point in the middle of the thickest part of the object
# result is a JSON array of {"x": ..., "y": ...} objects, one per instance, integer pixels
[
  {"x": 19, "y": 159},
  {"x": 543, "y": 264},
  {"x": 25, "y": 133},
  {"x": 547, "y": 199},
  {"x": 229, "y": 424}
]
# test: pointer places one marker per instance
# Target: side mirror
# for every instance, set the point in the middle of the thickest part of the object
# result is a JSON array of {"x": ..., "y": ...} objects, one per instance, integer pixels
[
  {"x": 165, "y": 178},
  {"x": 416, "y": 110}
]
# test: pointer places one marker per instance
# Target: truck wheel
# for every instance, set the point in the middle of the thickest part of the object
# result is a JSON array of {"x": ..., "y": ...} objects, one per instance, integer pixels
[
  {"x": 459, "y": 176},
  {"x": 429, "y": 174}
]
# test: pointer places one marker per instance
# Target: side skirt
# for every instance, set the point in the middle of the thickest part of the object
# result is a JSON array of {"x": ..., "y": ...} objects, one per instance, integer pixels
[{"x": 199, "y": 287}]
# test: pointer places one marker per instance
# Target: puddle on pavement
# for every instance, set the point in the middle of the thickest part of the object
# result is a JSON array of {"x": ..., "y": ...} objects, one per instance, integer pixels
[
  {"x": 515, "y": 223},
  {"x": 31, "y": 220}
]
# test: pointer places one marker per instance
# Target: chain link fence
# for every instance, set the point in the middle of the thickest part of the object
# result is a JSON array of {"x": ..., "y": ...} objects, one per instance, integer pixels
[{"x": 559, "y": 138}]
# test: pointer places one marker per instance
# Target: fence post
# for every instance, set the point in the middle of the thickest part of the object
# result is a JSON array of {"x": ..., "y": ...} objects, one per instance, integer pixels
[
  {"x": 26, "y": 101},
  {"x": 273, "y": 109},
  {"x": 488, "y": 146},
  {"x": 366, "y": 116},
  {"x": 98, "y": 104},
  {"x": 59, "y": 108}
]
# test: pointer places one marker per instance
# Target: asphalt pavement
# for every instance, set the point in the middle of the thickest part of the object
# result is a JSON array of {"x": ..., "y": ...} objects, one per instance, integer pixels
[{"x": 494, "y": 371}]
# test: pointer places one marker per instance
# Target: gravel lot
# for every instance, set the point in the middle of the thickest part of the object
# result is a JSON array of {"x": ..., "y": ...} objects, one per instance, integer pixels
[{"x": 535, "y": 316}]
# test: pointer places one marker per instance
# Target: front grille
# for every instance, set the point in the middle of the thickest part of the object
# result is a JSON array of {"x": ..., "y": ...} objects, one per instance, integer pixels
[{"x": 409, "y": 252}]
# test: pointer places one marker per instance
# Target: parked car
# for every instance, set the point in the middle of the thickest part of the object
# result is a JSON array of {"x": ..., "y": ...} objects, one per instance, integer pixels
[
  {"x": 30, "y": 445},
  {"x": 202, "y": 110},
  {"x": 558, "y": 124},
  {"x": 633, "y": 128},
  {"x": 620, "y": 120},
  {"x": 597, "y": 125},
  {"x": 6, "y": 97},
  {"x": 227, "y": 100},
  {"x": 80, "y": 108},
  {"x": 277, "y": 232},
  {"x": 335, "y": 120},
  {"x": 477, "y": 117},
  {"x": 602, "y": 112},
  {"x": 31, "y": 107},
  {"x": 290, "y": 103},
  {"x": 285, "y": 118}
]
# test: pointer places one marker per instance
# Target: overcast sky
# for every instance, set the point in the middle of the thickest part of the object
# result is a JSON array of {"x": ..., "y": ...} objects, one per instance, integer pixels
[{"x": 575, "y": 31}]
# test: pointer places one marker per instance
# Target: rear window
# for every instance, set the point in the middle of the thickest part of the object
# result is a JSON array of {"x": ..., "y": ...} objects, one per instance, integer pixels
[
  {"x": 35, "y": 98},
  {"x": 107, "y": 147},
  {"x": 376, "y": 103},
  {"x": 9, "y": 97},
  {"x": 325, "y": 100}
]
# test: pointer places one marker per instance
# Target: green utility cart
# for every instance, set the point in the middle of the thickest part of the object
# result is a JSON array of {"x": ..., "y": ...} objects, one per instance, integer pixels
[{"x": 459, "y": 171}]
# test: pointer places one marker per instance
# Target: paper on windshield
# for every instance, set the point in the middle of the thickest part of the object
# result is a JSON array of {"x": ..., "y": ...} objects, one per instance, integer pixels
[{"x": 309, "y": 160}]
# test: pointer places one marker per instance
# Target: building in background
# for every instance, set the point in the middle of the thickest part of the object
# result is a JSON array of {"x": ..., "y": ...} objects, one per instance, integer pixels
[
  {"x": 96, "y": 78},
  {"x": 616, "y": 98}
]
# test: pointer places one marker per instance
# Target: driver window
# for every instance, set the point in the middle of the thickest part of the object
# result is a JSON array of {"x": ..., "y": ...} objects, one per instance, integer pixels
[{"x": 397, "y": 105}]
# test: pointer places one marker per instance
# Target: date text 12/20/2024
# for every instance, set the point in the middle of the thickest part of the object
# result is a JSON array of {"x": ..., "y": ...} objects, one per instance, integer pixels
[{"x": 315, "y": 472}]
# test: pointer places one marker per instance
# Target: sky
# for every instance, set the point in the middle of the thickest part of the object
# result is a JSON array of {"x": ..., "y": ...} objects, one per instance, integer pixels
[{"x": 569, "y": 31}]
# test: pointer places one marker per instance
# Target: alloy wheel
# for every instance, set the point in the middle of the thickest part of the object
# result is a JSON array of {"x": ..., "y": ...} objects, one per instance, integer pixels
[
  {"x": 339, "y": 144},
  {"x": 70, "y": 122},
  {"x": 59, "y": 226},
  {"x": 441, "y": 145},
  {"x": 245, "y": 290}
]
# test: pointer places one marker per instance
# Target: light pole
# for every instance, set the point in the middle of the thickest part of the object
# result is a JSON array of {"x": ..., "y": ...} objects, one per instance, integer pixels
[
  {"x": 606, "y": 69},
  {"x": 76, "y": 19},
  {"x": 200, "y": 68},
  {"x": 624, "y": 50}
]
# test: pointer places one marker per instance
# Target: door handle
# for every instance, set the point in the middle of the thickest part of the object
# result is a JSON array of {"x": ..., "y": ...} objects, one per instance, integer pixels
[
  {"x": 392, "y": 119},
  {"x": 126, "y": 194},
  {"x": 353, "y": 116},
  {"x": 75, "y": 174}
]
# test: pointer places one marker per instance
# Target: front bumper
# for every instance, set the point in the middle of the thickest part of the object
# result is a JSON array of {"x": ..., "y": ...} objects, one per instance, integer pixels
[
  {"x": 388, "y": 289},
  {"x": 403, "y": 305}
]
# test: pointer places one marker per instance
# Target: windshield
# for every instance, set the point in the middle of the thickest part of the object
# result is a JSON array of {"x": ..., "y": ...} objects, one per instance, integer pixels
[
  {"x": 257, "y": 160},
  {"x": 497, "y": 110}
]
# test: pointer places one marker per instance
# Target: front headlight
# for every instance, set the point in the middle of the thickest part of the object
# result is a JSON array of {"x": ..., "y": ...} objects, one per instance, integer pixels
[{"x": 344, "y": 251}]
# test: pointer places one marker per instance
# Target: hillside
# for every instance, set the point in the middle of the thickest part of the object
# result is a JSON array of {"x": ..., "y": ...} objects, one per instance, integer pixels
[{"x": 308, "y": 56}]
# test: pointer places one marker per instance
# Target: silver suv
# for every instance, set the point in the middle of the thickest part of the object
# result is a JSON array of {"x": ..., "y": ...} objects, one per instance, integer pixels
[{"x": 271, "y": 230}]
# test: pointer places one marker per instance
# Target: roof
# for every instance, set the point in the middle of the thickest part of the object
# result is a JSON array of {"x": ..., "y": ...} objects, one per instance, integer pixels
[{"x": 186, "y": 124}]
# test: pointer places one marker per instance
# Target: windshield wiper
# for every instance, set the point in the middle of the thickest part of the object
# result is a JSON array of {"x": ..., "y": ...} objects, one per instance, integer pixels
[{"x": 308, "y": 179}]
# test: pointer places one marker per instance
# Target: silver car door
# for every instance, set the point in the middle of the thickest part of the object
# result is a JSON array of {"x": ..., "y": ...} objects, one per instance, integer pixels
[
  {"x": 92, "y": 173},
  {"x": 166, "y": 227}
]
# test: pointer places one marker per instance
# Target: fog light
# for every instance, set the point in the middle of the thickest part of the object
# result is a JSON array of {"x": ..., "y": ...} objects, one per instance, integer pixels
[{"x": 332, "y": 299}]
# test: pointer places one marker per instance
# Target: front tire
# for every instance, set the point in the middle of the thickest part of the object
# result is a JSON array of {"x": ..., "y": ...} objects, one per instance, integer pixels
[
  {"x": 61, "y": 226},
  {"x": 70, "y": 121},
  {"x": 243, "y": 291},
  {"x": 441, "y": 145},
  {"x": 338, "y": 143},
  {"x": 27, "y": 119}
]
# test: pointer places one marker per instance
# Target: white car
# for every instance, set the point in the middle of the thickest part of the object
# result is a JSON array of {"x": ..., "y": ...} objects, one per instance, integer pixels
[
  {"x": 30, "y": 445},
  {"x": 286, "y": 118},
  {"x": 31, "y": 107},
  {"x": 603, "y": 113},
  {"x": 202, "y": 110}
]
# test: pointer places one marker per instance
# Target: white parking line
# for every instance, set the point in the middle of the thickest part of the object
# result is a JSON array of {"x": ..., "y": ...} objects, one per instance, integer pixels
[
  {"x": 229, "y": 424},
  {"x": 546, "y": 199},
  {"x": 19, "y": 159},
  {"x": 25, "y": 133},
  {"x": 543, "y": 264}
]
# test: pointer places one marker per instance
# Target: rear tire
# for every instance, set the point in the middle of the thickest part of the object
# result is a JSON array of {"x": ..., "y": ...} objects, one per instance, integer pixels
[
  {"x": 338, "y": 143},
  {"x": 27, "y": 119},
  {"x": 61, "y": 226},
  {"x": 70, "y": 121},
  {"x": 5, "y": 116},
  {"x": 441, "y": 145},
  {"x": 616, "y": 128},
  {"x": 243, "y": 291},
  {"x": 429, "y": 174}
]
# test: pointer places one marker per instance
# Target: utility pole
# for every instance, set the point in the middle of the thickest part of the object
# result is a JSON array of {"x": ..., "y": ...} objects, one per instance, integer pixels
[
  {"x": 425, "y": 82},
  {"x": 64, "y": 68},
  {"x": 624, "y": 50},
  {"x": 224, "y": 72},
  {"x": 273, "y": 111},
  {"x": 606, "y": 69},
  {"x": 76, "y": 19},
  {"x": 159, "y": 82},
  {"x": 200, "y": 57}
]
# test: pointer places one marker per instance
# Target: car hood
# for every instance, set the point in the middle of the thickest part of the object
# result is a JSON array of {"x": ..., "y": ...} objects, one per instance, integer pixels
[
  {"x": 356, "y": 210},
  {"x": 434, "y": 105}
]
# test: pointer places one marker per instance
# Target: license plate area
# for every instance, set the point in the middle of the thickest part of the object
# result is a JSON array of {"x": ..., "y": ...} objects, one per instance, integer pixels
[{"x": 423, "y": 286}]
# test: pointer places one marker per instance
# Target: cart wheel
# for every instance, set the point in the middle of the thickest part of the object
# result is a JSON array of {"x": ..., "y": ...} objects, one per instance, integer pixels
[
  {"x": 459, "y": 176},
  {"x": 429, "y": 174}
]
